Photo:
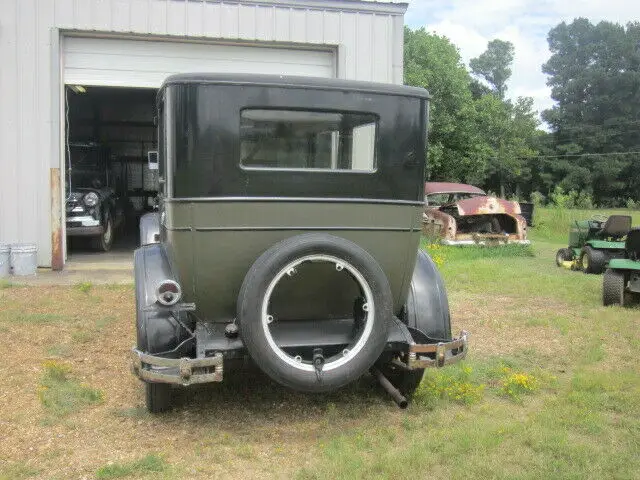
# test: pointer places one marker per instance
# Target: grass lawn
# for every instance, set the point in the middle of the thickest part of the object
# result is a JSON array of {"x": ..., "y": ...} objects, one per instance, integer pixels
[{"x": 550, "y": 389}]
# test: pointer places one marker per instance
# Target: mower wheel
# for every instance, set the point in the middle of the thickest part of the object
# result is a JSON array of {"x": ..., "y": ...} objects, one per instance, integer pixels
[
  {"x": 593, "y": 261},
  {"x": 613, "y": 288},
  {"x": 563, "y": 255}
]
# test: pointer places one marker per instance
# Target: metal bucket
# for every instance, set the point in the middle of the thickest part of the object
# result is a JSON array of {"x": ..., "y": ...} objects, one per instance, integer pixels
[
  {"x": 24, "y": 259},
  {"x": 5, "y": 265}
]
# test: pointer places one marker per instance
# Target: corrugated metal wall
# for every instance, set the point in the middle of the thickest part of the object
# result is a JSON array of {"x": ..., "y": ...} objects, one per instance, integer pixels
[{"x": 369, "y": 38}]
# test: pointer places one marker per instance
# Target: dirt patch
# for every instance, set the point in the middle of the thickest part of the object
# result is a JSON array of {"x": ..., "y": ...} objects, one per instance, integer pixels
[{"x": 504, "y": 325}]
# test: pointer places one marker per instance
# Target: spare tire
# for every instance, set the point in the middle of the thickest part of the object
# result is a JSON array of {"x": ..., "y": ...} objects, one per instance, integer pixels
[{"x": 254, "y": 317}]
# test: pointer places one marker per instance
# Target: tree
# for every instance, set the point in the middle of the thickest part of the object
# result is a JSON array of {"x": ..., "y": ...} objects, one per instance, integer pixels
[
  {"x": 494, "y": 65},
  {"x": 594, "y": 74},
  {"x": 457, "y": 152}
]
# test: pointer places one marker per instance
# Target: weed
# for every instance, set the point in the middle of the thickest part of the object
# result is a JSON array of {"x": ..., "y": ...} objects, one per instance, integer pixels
[
  {"x": 6, "y": 284},
  {"x": 453, "y": 384},
  {"x": 148, "y": 464},
  {"x": 62, "y": 395},
  {"x": 59, "y": 350},
  {"x": 17, "y": 471},
  {"x": 516, "y": 384},
  {"x": 84, "y": 287}
]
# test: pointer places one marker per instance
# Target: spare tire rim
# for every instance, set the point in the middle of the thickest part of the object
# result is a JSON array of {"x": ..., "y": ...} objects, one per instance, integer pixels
[{"x": 348, "y": 353}]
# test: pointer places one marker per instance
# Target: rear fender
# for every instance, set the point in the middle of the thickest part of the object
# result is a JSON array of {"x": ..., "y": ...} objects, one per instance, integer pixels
[
  {"x": 427, "y": 307},
  {"x": 158, "y": 328},
  {"x": 149, "y": 228}
]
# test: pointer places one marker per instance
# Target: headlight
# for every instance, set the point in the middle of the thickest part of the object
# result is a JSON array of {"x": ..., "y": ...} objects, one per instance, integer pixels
[
  {"x": 168, "y": 293},
  {"x": 91, "y": 199}
]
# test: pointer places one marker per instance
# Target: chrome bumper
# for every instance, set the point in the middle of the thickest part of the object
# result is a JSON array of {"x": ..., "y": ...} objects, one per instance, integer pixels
[
  {"x": 446, "y": 353},
  {"x": 180, "y": 371}
]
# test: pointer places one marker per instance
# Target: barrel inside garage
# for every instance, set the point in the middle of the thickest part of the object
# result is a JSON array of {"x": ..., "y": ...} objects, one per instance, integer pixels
[{"x": 110, "y": 87}]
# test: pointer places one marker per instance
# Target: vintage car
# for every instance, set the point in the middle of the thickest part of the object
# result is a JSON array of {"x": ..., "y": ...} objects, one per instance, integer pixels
[
  {"x": 287, "y": 234},
  {"x": 459, "y": 214},
  {"x": 93, "y": 208}
]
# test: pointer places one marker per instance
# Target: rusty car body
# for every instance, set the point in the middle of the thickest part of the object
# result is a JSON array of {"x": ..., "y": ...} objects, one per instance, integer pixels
[{"x": 460, "y": 214}]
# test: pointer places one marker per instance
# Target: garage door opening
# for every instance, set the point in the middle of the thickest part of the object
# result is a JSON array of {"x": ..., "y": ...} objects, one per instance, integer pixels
[{"x": 109, "y": 185}]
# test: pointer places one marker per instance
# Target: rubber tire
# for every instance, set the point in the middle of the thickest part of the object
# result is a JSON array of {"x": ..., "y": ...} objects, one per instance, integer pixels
[
  {"x": 252, "y": 294},
  {"x": 99, "y": 242},
  {"x": 613, "y": 288},
  {"x": 597, "y": 260},
  {"x": 563, "y": 255},
  {"x": 157, "y": 397},
  {"x": 407, "y": 381}
]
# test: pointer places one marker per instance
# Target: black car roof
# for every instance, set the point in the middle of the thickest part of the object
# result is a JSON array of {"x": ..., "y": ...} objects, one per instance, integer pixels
[{"x": 295, "y": 82}]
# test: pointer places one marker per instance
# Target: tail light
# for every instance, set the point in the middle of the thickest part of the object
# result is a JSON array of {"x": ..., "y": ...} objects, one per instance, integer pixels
[{"x": 168, "y": 293}]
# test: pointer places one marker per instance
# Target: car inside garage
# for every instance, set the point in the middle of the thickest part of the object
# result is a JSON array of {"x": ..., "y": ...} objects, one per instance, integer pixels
[{"x": 110, "y": 133}]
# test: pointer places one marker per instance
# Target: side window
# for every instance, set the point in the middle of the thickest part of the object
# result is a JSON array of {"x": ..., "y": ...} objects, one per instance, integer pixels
[{"x": 296, "y": 139}]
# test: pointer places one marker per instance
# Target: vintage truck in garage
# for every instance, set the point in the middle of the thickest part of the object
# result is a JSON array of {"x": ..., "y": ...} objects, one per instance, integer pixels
[{"x": 288, "y": 231}]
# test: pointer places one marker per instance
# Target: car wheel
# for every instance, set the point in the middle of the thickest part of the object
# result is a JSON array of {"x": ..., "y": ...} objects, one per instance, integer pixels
[
  {"x": 105, "y": 240},
  {"x": 593, "y": 261},
  {"x": 157, "y": 397},
  {"x": 563, "y": 255},
  {"x": 613, "y": 288},
  {"x": 299, "y": 369}
]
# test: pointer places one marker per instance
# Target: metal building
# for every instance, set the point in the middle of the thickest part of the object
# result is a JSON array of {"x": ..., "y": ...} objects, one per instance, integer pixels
[{"x": 48, "y": 45}]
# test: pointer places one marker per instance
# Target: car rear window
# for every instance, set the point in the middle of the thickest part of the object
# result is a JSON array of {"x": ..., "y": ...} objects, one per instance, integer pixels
[{"x": 307, "y": 140}]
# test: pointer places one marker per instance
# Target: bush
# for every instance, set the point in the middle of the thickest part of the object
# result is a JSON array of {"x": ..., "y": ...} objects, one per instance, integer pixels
[
  {"x": 538, "y": 199},
  {"x": 633, "y": 204},
  {"x": 571, "y": 199}
]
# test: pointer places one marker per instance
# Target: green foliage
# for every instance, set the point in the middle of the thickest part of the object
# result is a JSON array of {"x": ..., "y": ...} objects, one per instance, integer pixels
[
  {"x": 494, "y": 65},
  {"x": 453, "y": 384},
  {"x": 475, "y": 136},
  {"x": 455, "y": 148},
  {"x": 60, "y": 394},
  {"x": 149, "y": 464},
  {"x": 571, "y": 199},
  {"x": 594, "y": 73},
  {"x": 84, "y": 287}
]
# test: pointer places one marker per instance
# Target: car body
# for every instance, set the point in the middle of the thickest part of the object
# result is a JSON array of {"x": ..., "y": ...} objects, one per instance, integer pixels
[
  {"x": 460, "y": 214},
  {"x": 93, "y": 208},
  {"x": 288, "y": 231}
]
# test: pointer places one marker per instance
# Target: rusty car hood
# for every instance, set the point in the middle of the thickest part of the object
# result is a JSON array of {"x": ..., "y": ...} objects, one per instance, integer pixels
[{"x": 487, "y": 206}]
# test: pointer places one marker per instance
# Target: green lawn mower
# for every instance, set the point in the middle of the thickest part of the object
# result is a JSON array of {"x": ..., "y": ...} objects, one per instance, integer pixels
[
  {"x": 621, "y": 281},
  {"x": 593, "y": 243}
]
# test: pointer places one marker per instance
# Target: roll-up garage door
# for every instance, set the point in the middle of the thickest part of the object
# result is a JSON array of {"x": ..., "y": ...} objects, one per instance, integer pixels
[{"x": 141, "y": 63}]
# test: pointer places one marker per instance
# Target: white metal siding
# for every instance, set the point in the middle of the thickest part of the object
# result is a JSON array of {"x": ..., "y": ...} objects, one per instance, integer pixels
[
  {"x": 140, "y": 63},
  {"x": 368, "y": 38}
]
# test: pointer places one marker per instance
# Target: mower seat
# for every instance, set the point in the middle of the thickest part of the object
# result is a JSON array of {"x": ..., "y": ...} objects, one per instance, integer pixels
[
  {"x": 632, "y": 245},
  {"x": 616, "y": 226}
]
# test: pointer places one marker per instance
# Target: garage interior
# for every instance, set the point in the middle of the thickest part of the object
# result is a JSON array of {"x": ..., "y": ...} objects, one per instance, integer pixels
[{"x": 115, "y": 125}]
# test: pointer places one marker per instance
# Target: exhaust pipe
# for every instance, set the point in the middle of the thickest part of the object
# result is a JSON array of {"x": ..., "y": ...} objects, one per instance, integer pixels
[{"x": 397, "y": 397}]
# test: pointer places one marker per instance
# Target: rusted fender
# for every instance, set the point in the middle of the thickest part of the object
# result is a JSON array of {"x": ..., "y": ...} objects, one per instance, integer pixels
[
  {"x": 440, "y": 224},
  {"x": 487, "y": 205}
]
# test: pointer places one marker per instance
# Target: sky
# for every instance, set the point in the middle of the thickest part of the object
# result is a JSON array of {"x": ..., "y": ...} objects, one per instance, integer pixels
[{"x": 471, "y": 24}]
